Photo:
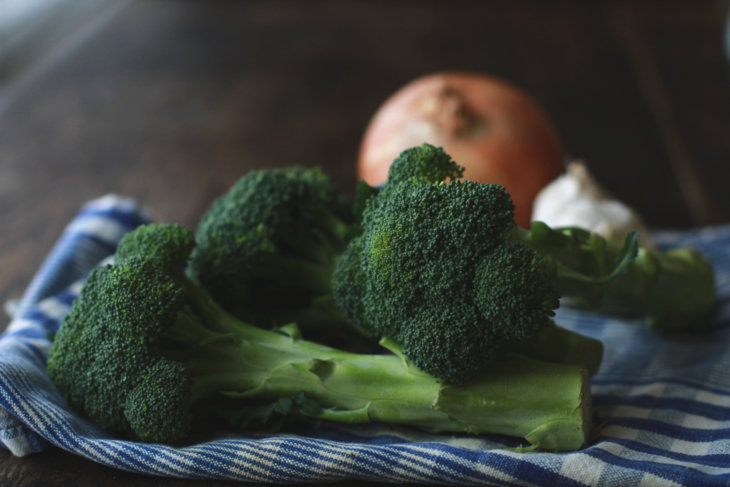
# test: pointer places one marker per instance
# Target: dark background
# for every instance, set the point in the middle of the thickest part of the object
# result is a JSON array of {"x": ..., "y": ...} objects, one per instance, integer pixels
[{"x": 171, "y": 101}]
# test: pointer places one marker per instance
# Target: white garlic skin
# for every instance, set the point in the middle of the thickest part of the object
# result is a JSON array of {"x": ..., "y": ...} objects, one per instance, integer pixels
[{"x": 576, "y": 199}]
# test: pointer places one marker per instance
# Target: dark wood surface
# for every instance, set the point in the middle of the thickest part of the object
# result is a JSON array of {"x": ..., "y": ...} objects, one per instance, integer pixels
[{"x": 171, "y": 101}]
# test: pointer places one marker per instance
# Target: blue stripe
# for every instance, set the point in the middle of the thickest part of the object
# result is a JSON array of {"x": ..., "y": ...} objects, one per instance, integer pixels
[
  {"x": 309, "y": 451},
  {"x": 29, "y": 332},
  {"x": 43, "y": 322},
  {"x": 681, "y": 474},
  {"x": 228, "y": 458},
  {"x": 600, "y": 381},
  {"x": 125, "y": 456},
  {"x": 537, "y": 474},
  {"x": 709, "y": 460},
  {"x": 370, "y": 461},
  {"x": 125, "y": 216},
  {"x": 106, "y": 246},
  {"x": 55, "y": 428},
  {"x": 694, "y": 435},
  {"x": 67, "y": 297},
  {"x": 688, "y": 406},
  {"x": 434, "y": 460},
  {"x": 443, "y": 461},
  {"x": 376, "y": 459},
  {"x": 206, "y": 465}
]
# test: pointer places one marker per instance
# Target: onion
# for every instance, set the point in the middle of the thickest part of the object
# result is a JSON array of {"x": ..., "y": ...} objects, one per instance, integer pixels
[{"x": 492, "y": 128}]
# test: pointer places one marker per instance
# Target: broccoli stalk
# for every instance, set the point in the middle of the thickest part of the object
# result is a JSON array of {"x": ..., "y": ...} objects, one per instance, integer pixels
[
  {"x": 546, "y": 403},
  {"x": 670, "y": 290},
  {"x": 144, "y": 352}
]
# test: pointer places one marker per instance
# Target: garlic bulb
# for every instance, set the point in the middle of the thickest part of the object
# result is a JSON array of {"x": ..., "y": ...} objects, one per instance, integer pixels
[{"x": 576, "y": 199}]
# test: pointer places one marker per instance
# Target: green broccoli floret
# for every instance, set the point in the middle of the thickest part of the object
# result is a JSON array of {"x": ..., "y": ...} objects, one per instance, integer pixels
[
  {"x": 144, "y": 352},
  {"x": 435, "y": 270},
  {"x": 266, "y": 248},
  {"x": 443, "y": 270},
  {"x": 426, "y": 164}
]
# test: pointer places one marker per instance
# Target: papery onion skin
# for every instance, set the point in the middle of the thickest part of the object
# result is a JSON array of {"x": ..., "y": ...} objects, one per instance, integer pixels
[{"x": 495, "y": 130}]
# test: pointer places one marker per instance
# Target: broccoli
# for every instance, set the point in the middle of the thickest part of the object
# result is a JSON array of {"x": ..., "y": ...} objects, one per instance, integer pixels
[
  {"x": 426, "y": 164},
  {"x": 443, "y": 270},
  {"x": 436, "y": 271},
  {"x": 266, "y": 249},
  {"x": 145, "y": 353}
]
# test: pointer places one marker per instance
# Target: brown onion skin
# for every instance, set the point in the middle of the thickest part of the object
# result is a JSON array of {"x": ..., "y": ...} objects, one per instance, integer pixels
[{"x": 492, "y": 128}]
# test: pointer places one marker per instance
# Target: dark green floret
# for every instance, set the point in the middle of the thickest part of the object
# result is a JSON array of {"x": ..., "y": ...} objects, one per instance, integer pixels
[
  {"x": 146, "y": 354},
  {"x": 435, "y": 270},
  {"x": 426, "y": 164},
  {"x": 515, "y": 290},
  {"x": 446, "y": 273},
  {"x": 266, "y": 249}
]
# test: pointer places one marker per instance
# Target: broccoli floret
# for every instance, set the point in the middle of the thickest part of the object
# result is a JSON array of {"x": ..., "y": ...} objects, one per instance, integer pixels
[
  {"x": 435, "y": 270},
  {"x": 266, "y": 248},
  {"x": 515, "y": 290},
  {"x": 426, "y": 164},
  {"x": 144, "y": 352},
  {"x": 447, "y": 274}
]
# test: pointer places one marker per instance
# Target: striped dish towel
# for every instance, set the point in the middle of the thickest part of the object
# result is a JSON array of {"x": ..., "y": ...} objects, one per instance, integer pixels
[{"x": 662, "y": 400}]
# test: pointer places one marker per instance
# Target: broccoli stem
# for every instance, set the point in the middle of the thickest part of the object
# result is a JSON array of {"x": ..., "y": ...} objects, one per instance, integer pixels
[
  {"x": 320, "y": 321},
  {"x": 546, "y": 403},
  {"x": 320, "y": 242},
  {"x": 293, "y": 271},
  {"x": 674, "y": 290},
  {"x": 671, "y": 290},
  {"x": 558, "y": 345}
]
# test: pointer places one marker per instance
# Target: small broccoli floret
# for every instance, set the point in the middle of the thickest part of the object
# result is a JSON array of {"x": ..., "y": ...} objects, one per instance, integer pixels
[
  {"x": 170, "y": 245},
  {"x": 266, "y": 249},
  {"x": 144, "y": 352},
  {"x": 515, "y": 290},
  {"x": 426, "y": 164},
  {"x": 159, "y": 408}
]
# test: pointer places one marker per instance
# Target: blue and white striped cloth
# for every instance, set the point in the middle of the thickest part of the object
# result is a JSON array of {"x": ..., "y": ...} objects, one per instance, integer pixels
[{"x": 662, "y": 400}]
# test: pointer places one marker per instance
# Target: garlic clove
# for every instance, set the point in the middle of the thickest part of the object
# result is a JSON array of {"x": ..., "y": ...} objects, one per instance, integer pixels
[{"x": 576, "y": 199}]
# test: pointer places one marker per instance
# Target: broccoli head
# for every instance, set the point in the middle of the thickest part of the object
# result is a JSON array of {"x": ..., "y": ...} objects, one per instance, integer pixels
[
  {"x": 266, "y": 249},
  {"x": 441, "y": 268},
  {"x": 435, "y": 271},
  {"x": 109, "y": 323},
  {"x": 144, "y": 352}
]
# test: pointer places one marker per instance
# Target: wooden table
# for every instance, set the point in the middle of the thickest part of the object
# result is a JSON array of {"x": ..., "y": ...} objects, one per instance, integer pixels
[{"x": 171, "y": 101}]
